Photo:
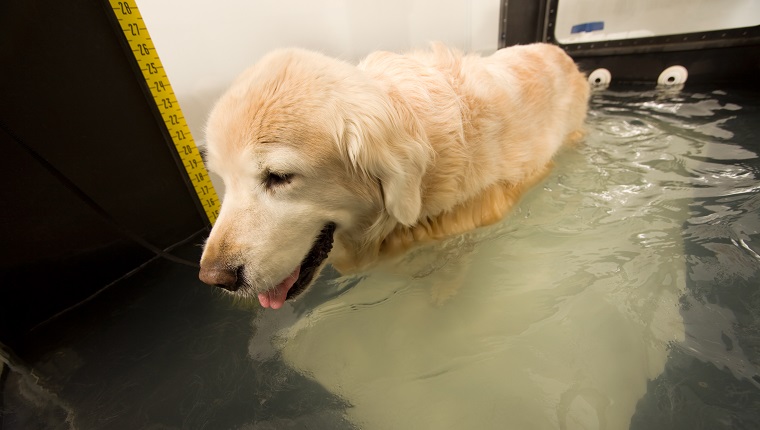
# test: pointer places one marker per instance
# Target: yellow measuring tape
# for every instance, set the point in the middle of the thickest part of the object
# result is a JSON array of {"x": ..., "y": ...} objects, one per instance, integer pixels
[{"x": 133, "y": 26}]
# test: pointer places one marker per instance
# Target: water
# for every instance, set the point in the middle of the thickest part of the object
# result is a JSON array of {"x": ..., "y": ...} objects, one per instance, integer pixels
[
  {"x": 621, "y": 293},
  {"x": 643, "y": 245}
]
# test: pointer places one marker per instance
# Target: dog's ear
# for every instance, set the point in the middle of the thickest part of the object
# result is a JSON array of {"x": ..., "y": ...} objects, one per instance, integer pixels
[{"x": 381, "y": 147}]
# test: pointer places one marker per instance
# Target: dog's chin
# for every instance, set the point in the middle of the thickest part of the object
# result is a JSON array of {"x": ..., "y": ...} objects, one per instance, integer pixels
[{"x": 304, "y": 274}]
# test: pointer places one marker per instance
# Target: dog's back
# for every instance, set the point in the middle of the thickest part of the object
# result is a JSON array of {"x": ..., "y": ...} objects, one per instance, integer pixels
[{"x": 494, "y": 122}]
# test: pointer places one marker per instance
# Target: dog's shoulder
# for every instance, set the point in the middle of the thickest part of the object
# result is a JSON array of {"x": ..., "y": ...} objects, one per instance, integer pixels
[
  {"x": 439, "y": 57},
  {"x": 389, "y": 63}
]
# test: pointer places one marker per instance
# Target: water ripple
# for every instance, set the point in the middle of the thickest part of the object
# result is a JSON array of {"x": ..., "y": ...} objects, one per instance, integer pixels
[{"x": 573, "y": 303}]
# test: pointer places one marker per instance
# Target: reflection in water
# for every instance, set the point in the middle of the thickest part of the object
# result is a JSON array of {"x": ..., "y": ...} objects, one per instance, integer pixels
[{"x": 561, "y": 315}]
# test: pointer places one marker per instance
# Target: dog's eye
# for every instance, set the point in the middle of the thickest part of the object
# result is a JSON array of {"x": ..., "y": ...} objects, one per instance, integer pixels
[{"x": 276, "y": 179}]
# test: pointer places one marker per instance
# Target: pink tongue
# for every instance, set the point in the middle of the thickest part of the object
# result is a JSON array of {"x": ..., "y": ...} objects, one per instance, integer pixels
[{"x": 275, "y": 297}]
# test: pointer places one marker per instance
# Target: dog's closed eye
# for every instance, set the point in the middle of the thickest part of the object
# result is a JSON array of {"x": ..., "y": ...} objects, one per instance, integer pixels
[{"x": 274, "y": 179}]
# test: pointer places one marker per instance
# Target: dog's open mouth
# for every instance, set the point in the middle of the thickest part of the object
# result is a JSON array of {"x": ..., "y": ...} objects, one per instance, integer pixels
[{"x": 303, "y": 275}]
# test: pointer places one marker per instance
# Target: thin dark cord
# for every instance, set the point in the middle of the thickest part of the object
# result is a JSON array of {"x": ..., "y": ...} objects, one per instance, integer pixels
[
  {"x": 108, "y": 286},
  {"x": 92, "y": 203}
]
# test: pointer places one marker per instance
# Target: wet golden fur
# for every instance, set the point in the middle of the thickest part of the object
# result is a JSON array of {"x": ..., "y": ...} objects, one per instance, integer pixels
[{"x": 397, "y": 150}]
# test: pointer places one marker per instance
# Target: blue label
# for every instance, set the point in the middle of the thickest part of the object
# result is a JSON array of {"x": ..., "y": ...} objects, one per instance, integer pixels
[{"x": 587, "y": 27}]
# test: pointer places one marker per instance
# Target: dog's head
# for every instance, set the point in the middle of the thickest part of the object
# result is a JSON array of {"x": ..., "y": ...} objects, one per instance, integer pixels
[{"x": 309, "y": 150}]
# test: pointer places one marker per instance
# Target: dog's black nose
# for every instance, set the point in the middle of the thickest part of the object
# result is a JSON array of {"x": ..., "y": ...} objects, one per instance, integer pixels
[{"x": 219, "y": 276}]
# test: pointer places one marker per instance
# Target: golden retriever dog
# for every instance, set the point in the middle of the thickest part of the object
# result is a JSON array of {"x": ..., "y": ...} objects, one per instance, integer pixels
[{"x": 327, "y": 162}]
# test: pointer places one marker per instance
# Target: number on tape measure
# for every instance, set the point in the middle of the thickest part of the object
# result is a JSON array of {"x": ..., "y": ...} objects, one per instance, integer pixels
[{"x": 138, "y": 38}]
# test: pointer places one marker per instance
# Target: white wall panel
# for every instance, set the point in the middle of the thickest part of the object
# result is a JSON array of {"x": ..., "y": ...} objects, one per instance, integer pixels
[{"x": 204, "y": 45}]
